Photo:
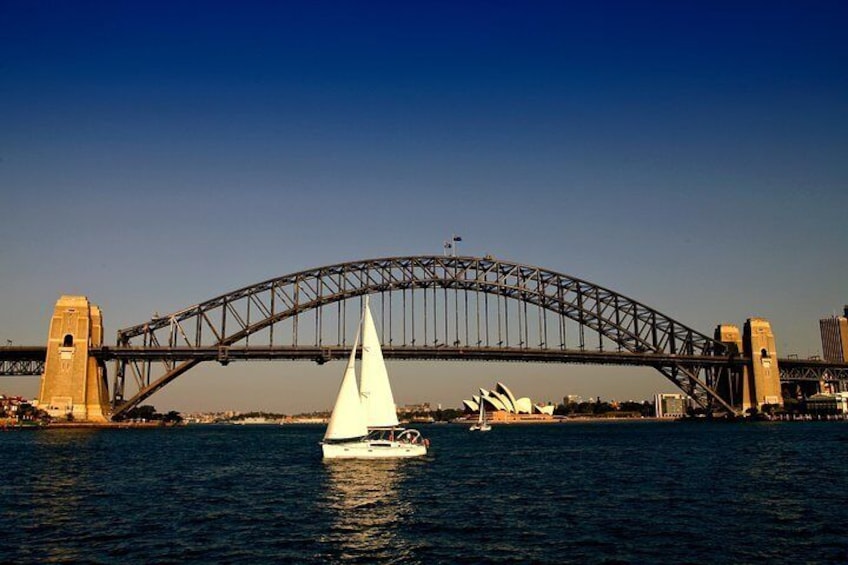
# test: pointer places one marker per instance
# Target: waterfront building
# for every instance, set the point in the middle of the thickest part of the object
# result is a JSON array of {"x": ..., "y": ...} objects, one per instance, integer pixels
[
  {"x": 503, "y": 406},
  {"x": 9, "y": 405},
  {"x": 834, "y": 337},
  {"x": 16, "y": 409},
  {"x": 828, "y": 404},
  {"x": 670, "y": 405},
  {"x": 424, "y": 408}
]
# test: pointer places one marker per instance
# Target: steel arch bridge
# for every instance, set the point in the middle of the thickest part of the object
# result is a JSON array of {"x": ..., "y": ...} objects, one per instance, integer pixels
[{"x": 428, "y": 307}]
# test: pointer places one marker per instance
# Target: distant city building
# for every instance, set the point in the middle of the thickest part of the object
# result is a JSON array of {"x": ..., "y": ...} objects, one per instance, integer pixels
[
  {"x": 9, "y": 404},
  {"x": 416, "y": 408},
  {"x": 834, "y": 337},
  {"x": 670, "y": 405},
  {"x": 416, "y": 413},
  {"x": 13, "y": 406},
  {"x": 828, "y": 404}
]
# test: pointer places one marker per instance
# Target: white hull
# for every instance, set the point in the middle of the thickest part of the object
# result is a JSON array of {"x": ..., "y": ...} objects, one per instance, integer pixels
[
  {"x": 480, "y": 428},
  {"x": 373, "y": 449}
]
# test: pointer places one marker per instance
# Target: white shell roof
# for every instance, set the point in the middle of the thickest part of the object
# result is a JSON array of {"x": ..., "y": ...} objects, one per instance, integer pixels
[
  {"x": 524, "y": 405},
  {"x": 548, "y": 409},
  {"x": 502, "y": 388},
  {"x": 508, "y": 405},
  {"x": 471, "y": 405},
  {"x": 493, "y": 402}
]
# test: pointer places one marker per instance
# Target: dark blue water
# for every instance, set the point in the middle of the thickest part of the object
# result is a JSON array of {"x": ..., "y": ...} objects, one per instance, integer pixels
[{"x": 638, "y": 492}]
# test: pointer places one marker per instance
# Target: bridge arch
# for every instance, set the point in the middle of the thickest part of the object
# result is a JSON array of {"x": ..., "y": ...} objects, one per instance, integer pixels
[{"x": 547, "y": 309}]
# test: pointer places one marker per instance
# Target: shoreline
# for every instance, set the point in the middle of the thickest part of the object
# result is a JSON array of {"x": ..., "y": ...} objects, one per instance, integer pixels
[{"x": 84, "y": 426}]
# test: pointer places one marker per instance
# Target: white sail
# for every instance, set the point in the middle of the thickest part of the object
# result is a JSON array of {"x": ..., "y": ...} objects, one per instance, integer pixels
[
  {"x": 374, "y": 384},
  {"x": 348, "y": 418}
]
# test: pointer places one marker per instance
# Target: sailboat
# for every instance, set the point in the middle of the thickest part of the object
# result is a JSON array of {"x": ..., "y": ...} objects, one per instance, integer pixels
[
  {"x": 482, "y": 425},
  {"x": 364, "y": 422}
]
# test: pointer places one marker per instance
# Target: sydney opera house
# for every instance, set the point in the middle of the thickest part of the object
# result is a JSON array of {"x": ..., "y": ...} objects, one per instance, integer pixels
[{"x": 501, "y": 405}]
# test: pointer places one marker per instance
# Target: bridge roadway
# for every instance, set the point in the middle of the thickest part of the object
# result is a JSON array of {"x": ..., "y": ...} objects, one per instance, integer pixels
[
  {"x": 29, "y": 360},
  {"x": 22, "y": 360}
]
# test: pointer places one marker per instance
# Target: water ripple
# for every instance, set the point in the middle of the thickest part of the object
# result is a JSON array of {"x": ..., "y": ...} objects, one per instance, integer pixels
[{"x": 576, "y": 493}]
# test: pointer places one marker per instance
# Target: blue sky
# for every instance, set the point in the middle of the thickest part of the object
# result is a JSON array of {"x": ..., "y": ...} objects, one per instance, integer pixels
[{"x": 689, "y": 155}]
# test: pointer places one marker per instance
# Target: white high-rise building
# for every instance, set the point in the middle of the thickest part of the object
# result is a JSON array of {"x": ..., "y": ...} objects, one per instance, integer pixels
[{"x": 670, "y": 405}]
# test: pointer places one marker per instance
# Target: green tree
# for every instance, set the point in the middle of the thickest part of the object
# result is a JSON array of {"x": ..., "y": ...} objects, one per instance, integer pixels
[
  {"x": 585, "y": 408},
  {"x": 29, "y": 412},
  {"x": 172, "y": 417},
  {"x": 791, "y": 405},
  {"x": 147, "y": 413},
  {"x": 447, "y": 414},
  {"x": 602, "y": 408}
]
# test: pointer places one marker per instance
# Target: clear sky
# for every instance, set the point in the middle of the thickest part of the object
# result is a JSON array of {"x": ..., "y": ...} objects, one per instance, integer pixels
[{"x": 690, "y": 155}]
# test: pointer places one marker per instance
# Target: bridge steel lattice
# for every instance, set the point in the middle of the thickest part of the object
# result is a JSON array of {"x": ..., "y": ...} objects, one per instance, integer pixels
[
  {"x": 426, "y": 307},
  {"x": 19, "y": 361}
]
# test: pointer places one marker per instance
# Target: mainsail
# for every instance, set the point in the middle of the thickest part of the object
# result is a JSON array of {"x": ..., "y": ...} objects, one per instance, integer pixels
[
  {"x": 348, "y": 418},
  {"x": 374, "y": 387}
]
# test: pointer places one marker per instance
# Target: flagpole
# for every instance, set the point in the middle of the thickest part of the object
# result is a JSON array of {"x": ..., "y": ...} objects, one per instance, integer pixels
[{"x": 455, "y": 239}]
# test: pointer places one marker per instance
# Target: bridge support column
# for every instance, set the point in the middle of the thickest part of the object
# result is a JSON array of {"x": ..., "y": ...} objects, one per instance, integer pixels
[
  {"x": 764, "y": 377},
  {"x": 732, "y": 383},
  {"x": 73, "y": 383}
]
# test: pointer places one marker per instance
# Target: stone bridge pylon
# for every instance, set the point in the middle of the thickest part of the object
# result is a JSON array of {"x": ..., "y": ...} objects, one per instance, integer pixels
[{"x": 74, "y": 385}]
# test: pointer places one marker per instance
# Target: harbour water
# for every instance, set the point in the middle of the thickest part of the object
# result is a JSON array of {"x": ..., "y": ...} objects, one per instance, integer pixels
[{"x": 617, "y": 492}]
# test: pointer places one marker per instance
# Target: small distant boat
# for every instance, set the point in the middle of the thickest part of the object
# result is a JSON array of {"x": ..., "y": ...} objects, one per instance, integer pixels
[
  {"x": 364, "y": 422},
  {"x": 482, "y": 424}
]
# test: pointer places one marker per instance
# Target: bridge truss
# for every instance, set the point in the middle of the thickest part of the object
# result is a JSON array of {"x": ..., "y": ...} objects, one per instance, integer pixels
[
  {"x": 426, "y": 307},
  {"x": 15, "y": 361}
]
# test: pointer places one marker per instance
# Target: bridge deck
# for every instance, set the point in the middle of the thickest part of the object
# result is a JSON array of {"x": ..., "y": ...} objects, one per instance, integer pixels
[
  {"x": 324, "y": 354},
  {"x": 29, "y": 360}
]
